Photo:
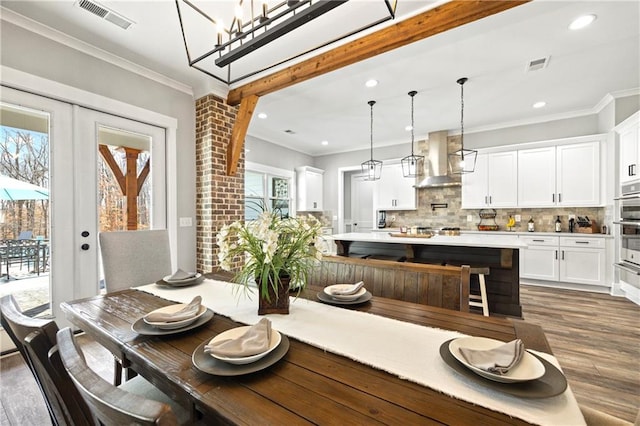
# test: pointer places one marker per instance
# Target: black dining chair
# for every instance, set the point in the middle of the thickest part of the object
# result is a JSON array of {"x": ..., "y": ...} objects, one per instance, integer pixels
[
  {"x": 34, "y": 338},
  {"x": 109, "y": 405}
]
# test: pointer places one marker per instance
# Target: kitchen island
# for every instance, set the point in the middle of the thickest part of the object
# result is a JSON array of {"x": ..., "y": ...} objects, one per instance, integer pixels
[{"x": 500, "y": 253}]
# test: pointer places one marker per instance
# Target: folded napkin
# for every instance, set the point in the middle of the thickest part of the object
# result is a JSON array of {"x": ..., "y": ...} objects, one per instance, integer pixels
[
  {"x": 189, "y": 311},
  {"x": 182, "y": 275},
  {"x": 498, "y": 360},
  {"x": 352, "y": 289},
  {"x": 254, "y": 341}
]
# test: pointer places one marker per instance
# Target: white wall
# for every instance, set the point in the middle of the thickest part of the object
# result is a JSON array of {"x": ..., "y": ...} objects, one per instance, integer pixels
[
  {"x": 34, "y": 54},
  {"x": 270, "y": 154}
]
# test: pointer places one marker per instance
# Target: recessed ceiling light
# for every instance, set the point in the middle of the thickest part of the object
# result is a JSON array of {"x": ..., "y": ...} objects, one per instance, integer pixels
[
  {"x": 582, "y": 22},
  {"x": 262, "y": 115},
  {"x": 371, "y": 83},
  {"x": 539, "y": 104},
  {"x": 408, "y": 128},
  {"x": 325, "y": 143}
]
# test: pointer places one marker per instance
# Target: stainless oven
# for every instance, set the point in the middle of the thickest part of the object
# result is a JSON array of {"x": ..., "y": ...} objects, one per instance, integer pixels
[{"x": 629, "y": 224}]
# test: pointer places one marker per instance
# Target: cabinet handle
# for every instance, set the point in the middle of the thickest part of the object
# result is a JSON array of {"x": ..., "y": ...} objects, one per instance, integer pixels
[
  {"x": 559, "y": 197},
  {"x": 553, "y": 198},
  {"x": 485, "y": 200},
  {"x": 582, "y": 242},
  {"x": 556, "y": 254},
  {"x": 489, "y": 199},
  {"x": 632, "y": 170},
  {"x": 315, "y": 205},
  {"x": 562, "y": 254},
  {"x": 538, "y": 241}
]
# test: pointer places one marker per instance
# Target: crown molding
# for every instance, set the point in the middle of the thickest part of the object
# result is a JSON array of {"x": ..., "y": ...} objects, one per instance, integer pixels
[{"x": 79, "y": 45}]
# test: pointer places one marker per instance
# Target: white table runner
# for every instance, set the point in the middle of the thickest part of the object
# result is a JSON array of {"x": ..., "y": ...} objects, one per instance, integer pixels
[{"x": 406, "y": 350}]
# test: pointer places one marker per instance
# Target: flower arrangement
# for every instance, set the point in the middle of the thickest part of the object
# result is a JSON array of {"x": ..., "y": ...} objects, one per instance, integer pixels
[{"x": 274, "y": 247}]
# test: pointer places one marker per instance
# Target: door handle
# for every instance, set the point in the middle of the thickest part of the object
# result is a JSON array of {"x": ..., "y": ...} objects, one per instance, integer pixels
[
  {"x": 85, "y": 247},
  {"x": 85, "y": 234}
]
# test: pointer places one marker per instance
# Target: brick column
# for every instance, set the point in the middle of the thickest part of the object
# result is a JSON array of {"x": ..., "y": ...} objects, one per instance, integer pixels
[{"x": 219, "y": 198}]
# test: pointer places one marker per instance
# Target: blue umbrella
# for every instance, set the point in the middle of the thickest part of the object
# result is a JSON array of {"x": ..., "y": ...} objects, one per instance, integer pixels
[{"x": 13, "y": 189}]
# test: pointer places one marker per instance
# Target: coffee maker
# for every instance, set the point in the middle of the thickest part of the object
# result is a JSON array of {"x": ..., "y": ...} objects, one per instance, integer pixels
[{"x": 382, "y": 219}]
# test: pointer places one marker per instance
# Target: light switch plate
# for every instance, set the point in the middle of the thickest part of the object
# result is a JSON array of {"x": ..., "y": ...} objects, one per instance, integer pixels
[
  {"x": 185, "y": 221},
  {"x": 518, "y": 218},
  {"x": 469, "y": 218}
]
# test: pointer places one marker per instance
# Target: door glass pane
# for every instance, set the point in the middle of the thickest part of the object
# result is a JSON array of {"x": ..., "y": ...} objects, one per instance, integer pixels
[
  {"x": 124, "y": 177},
  {"x": 24, "y": 208}
]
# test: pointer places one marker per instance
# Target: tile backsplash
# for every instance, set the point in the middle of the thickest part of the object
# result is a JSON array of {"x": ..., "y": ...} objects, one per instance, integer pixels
[{"x": 432, "y": 213}]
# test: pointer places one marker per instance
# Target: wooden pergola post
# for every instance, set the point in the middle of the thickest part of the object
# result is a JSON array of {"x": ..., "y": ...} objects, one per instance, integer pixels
[{"x": 130, "y": 183}]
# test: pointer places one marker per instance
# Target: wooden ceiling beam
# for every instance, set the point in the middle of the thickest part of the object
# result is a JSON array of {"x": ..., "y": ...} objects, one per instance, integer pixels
[
  {"x": 236, "y": 145},
  {"x": 431, "y": 22}
]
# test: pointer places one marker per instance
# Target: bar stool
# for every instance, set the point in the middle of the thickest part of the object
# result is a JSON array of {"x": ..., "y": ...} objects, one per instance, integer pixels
[{"x": 480, "y": 300}]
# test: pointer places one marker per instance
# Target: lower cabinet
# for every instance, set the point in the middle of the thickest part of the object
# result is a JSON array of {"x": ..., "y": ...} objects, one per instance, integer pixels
[{"x": 578, "y": 260}]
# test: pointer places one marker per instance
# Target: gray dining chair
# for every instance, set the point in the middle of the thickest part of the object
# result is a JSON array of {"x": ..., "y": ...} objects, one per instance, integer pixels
[
  {"x": 110, "y": 405},
  {"x": 130, "y": 259},
  {"x": 133, "y": 258}
]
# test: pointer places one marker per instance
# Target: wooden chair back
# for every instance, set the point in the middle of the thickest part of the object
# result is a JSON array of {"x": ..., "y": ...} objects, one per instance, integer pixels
[
  {"x": 133, "y": 258},
  {"x": 110, "y": 405},
  {"x": 433, "y": 285},
  {"x": 34, "y": 338}
]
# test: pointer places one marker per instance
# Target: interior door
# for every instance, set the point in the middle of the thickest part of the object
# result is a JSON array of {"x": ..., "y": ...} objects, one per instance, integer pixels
[{"x": 362, "y": 213}]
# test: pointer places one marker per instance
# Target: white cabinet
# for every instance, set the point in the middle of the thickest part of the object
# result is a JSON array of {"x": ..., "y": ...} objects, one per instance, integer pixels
[
  {"x": 309, "y": 189},
  {"x": 493, "y": 183},
  {"x": 578, "y": 260},
  {"x": 564, "y": 175},
  {"x": 629, "y": 137},
  {"x": 539, "y": 260},
  {"x": 582, "y": 260},
  {"x": 394, "y": 191}
]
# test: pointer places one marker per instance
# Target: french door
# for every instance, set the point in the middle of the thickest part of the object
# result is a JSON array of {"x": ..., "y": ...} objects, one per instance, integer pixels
[{"x": 81, "y": 143}]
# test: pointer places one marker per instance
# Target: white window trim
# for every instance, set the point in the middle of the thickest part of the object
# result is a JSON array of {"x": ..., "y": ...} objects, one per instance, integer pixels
[{"x": 290, "y": 174}]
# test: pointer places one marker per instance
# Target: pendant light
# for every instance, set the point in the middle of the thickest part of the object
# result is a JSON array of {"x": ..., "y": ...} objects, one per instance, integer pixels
[
  {"x": 372, "y": 169},
  {"x": 412, "y": 164},
  {"x": 463, "y": 160}
]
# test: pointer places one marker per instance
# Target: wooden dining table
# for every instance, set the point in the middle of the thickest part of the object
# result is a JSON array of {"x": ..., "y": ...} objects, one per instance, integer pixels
[{"x": 308, "y": 385}]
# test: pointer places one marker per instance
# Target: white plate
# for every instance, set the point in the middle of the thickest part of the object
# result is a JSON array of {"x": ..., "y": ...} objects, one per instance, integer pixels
[
  {"x": 529, "y": 367},
  {"x": 237, "y": 332},
  {"x": 346, "y": 297},
  {"x": 175, "y": 324},
  {"x": 169, "y": 280}
]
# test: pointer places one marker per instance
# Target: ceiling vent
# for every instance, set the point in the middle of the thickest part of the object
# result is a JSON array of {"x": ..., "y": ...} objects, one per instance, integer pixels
[
  {"x": 105, "y": 13},
  {"x": 291, "y": 132},
  {"x": 538, "y": 64}
]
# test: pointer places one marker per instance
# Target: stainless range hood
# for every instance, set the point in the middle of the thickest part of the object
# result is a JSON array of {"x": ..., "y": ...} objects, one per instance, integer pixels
[{"x": 436, "y": 168}]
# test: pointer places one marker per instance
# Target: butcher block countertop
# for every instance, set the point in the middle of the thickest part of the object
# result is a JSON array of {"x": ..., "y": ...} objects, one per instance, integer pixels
[{"x": 464, "y": 240}]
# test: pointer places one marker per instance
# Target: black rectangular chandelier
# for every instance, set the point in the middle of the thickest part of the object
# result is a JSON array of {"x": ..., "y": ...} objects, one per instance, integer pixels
[{"x": 233, "y": 52}]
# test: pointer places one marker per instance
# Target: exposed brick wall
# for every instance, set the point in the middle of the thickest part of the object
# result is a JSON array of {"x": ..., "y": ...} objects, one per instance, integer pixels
[{"x": 219, "y": 198}]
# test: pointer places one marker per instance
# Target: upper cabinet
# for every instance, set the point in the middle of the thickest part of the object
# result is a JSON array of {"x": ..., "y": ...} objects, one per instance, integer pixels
[
  {"x": 629, "y": 136},
  {"x": 309, "y": 189},
  {"x": 563, "y": 175},
  {"x": 394, "y": 191},
  {"x": 493, "y": 183}
]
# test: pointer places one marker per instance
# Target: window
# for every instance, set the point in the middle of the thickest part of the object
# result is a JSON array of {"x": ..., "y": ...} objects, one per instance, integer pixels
[{"x": 266, "y": 191}]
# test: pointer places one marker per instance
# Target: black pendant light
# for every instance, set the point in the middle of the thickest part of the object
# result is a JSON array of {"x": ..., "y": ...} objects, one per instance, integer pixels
[
  {"x": 372, "y": 169},
  {"x": 463, "y": 160},
  {"x": 412, "y": 165}
]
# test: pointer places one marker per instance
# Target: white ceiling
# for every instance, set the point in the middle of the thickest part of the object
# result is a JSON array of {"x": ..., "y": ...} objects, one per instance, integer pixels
[{"x": 493, "y": 53}]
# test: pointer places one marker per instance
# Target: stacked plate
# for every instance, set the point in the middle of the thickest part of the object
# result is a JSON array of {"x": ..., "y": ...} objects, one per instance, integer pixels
[
  {"x": 172, "y": 325},
  {"x": 331, "y": 294},
  {"x": 529, "y": 367},
  {"x": 234, "y": 333},
  {"x": 191, "y": 279},
  {"x": 236, "y": 366}
]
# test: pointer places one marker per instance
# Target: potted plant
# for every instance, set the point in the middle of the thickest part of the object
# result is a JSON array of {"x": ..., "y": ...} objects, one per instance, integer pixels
[{"x": 277, "y": 251}]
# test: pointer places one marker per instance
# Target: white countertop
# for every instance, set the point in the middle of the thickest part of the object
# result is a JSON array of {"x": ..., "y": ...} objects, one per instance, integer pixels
[{"x": 464, "y": 240}]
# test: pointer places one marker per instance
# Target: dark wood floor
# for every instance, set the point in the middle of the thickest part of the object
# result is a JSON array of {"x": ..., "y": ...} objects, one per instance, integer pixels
[{"x": 596, "y": 338}]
